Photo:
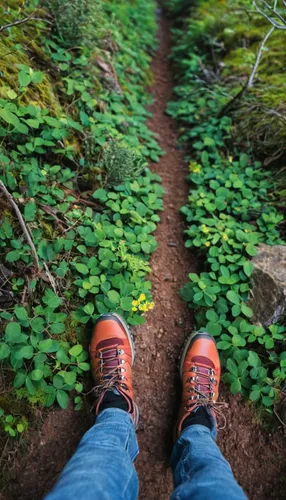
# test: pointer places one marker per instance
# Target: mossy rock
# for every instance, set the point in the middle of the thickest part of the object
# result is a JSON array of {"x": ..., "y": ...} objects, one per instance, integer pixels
[{"x": 268, "y": 300}]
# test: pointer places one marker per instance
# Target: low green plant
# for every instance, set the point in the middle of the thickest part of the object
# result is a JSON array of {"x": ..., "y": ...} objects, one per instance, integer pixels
[
  {"x": 118, "y": 163},
  {"x": 229, "y": 213},
  {"x": 77, "y": 172},
  {"x": 13, "y": 425}
]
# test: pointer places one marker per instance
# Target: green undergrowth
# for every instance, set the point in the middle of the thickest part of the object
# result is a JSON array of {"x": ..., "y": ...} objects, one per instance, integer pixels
[
  {"x": 74, "y": 154},
  {"x": 228, "y": 35},
  {"x": 229, "y": 212}
]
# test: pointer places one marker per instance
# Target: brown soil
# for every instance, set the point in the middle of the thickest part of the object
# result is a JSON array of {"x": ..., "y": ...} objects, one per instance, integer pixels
[{"x": 255, "y": 454}]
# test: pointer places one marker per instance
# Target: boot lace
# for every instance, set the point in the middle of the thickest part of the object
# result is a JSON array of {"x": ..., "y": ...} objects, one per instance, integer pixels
[
  {"x": 201, "y": 387},
  {"x": 110, "y": 370}
]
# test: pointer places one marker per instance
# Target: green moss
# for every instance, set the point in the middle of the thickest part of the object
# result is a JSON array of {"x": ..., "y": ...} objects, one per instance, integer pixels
[
  {"x": 19, "y": 46},
  {"x": 34, "y": 400},
  {"x": 12, "y": 405}
]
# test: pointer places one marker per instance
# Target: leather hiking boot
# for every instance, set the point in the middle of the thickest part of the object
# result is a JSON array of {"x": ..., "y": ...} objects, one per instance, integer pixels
[
  {"x": 200, "y": 375},
  {"x": 112, "y": 355}
]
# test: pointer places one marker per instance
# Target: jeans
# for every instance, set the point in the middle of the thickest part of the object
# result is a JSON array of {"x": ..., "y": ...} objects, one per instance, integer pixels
[{"x": 102, "y": 467}]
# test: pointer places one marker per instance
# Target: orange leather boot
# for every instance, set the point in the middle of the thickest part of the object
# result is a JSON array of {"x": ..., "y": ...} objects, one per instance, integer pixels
[
  {"x": 200, "y": 375},
  {"x": 112, "y": 355}
]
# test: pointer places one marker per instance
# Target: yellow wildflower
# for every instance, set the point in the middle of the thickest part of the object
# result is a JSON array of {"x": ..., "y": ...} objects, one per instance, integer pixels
[
  {"x": 135, "y": 302},
  {"x": 230, "y": 158},
  {"x": 151, "y": 305},
  {"x": 134, "y": 309},
  {"x": 225, "y": 237},
  {"x": 142, "y": 297},
  {"x": 204, "y": 229},
  {"x": 194, "y": 167},
  {"x": 208, "y": 243}
]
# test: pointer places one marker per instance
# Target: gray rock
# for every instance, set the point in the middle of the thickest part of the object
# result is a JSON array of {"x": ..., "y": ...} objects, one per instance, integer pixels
[{"x": 268, "y": 300}]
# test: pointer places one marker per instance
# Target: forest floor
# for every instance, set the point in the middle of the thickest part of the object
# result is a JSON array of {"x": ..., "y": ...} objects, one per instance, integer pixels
[{"x": 255, "y": 453}]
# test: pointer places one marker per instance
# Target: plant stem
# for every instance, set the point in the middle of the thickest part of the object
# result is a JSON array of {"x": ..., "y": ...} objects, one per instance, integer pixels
[{"x": 22, "y": 224}]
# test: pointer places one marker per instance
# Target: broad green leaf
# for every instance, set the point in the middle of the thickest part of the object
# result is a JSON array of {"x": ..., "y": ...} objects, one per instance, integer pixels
[
  {"x": 235, "y": 386},
  {"x": 82, "y": 268},
  {"x": 30, "y": 211},
  {"x": 62, "y": 399},
  {"x": 231, "y": 366},
  {"x": 4, "y": 350},
  {"x": 84, "y": 366},
  {"x": 24, "y": 352},
  {"x": 75, "y": 350},
  {"x": 19, "y": 379},
  {"x": 51, "y": 299},
  {"x": 21, "y": 314},
  {"x": 37, "y": 374},
  {"x": 248, "y": 268},
  {"x": 13, "y": 332},
  {"x": 45, "y": 345},
  {"x": 254, "y": 395},
  {"x": 233, "y": 297},
  {"x": 246, "y": 310},
  {"x": 13, "y": 256},
  {"x": 113, "y": 296},
  {"x": 24, "y": 78},
  {"x": 89, "y": 308},
  {"x": 253, "y": 359}
]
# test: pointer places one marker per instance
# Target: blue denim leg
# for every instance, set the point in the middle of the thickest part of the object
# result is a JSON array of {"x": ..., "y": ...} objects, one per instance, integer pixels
[
  {"x": 102, "y": 466},
  {"x": 199, "y": 469}
]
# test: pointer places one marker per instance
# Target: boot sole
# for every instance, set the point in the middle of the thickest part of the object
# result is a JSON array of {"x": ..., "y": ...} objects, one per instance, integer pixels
[{"x": 187, "y": 345}]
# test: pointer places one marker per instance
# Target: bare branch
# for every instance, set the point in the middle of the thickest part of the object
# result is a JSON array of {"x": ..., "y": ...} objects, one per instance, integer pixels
[
  {"x": 270, "y": 19},
  {"x": 258, "y": 57},
  {"x": 22, "y": 224},
  {"x": 52, "y": 281},
  {"x": 22, "y": 21}
]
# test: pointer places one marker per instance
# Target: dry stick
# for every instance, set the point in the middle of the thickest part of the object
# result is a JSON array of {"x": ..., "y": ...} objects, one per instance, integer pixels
[
  {"x": 270, "y": 19},
  {"x": 52, "y": 281},
  {"x": 22, "y": 21},
  {"x": 23, "y": 225},
  {"x": 258, "y": 57},
  {"x": 249, "y": 83}
]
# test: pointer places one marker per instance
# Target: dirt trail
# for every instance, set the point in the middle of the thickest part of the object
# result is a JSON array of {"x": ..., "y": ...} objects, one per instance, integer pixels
[{"x": 255, "y": 454}]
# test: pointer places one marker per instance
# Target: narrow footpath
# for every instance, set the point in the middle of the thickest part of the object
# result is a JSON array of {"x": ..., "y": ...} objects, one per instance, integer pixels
[{"x": 255, "y": 454}]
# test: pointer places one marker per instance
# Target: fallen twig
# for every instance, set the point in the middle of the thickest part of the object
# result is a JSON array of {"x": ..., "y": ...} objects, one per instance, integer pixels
[
  {"x": 258, "y": 57},
  {"x": 22, "y": 224},
  {"x": 22, "y": 21},
  {"x": 52, "y": 281}
]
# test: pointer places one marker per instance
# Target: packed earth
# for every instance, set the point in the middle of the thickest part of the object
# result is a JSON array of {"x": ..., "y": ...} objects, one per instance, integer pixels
[{"x": 43, "y": 433}]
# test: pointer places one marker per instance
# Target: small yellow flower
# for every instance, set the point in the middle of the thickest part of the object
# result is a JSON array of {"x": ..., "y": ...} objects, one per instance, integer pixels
[
  {"x": 208, "y": 243},
  {"x": 230, "y": 158},
  {"x": 225, "y": 237},
  {"x": 135, "y": 302},
  {"x": 194, "y": 167},
  {"x": 204, "y": 229},
  {"x": 151, "y": 305},
  {"x": 142, "y": 297},
  {"x": 134, "y": 309}
]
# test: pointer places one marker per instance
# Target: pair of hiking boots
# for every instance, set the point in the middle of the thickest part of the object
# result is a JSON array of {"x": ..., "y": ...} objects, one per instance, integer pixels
[{"x": 112, "y": 355}]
